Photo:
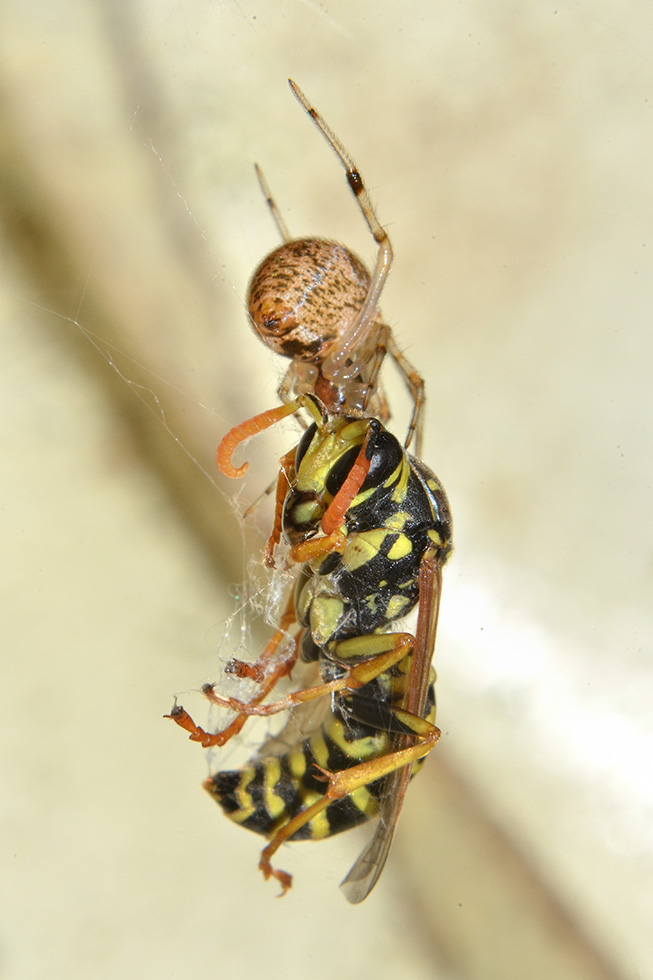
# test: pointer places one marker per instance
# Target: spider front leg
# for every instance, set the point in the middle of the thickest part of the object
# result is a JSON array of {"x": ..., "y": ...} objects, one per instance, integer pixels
[{"x": 335, "y": 365}]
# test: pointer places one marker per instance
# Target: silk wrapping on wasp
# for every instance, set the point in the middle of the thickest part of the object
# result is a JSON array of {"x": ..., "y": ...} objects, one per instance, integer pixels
[{"x": 368, "y": 528}]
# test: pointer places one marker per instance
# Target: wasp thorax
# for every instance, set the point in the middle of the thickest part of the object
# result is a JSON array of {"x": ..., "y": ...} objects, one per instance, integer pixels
[{"x": 305, "y": 295}]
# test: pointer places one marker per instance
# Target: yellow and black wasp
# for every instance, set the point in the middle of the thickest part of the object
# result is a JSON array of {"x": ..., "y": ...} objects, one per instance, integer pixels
[{"x": 368, "y": 529}]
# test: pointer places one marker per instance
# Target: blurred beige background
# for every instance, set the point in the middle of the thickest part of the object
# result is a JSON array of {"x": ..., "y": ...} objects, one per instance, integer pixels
[{"x": 508, "y": 151}]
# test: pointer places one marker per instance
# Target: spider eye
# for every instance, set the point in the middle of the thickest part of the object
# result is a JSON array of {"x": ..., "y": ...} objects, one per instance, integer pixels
[{"x": 304, "y": 443}]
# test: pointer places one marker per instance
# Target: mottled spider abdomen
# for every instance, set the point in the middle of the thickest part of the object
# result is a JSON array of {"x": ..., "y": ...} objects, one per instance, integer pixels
[{"x": 305, "y": 295}]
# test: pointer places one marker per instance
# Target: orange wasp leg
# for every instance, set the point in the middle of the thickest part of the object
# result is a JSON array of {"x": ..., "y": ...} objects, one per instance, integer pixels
[
  {"x": 334, "y": 517},
  {"x": 256, "y": 671},
  {"x": 259, "y": 670},
  {"x": 318, "y": 547},
  {"x": 346, "y": 781},
  {"x": 286, "y": 473},
  {"x": 381, "y": 653},
  {"x": 335, "y": 536}
]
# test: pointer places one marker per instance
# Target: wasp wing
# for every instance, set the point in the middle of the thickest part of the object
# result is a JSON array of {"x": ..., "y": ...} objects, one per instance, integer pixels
[
  {"x": 302, "y": 720},
  {"x": 368, "y": 867}
]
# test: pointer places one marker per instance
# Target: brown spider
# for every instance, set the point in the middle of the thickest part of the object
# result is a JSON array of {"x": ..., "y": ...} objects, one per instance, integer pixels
[{"x": 314, "y": 301}]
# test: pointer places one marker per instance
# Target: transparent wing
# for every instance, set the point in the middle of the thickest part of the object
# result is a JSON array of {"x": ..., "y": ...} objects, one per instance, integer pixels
[
  {"x": 368, "y": 867},
  {"x": 302, "y": 720}
]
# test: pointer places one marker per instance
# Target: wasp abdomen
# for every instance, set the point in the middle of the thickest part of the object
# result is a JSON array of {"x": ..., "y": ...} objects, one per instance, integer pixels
[{"x": 266, "y": 793}]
